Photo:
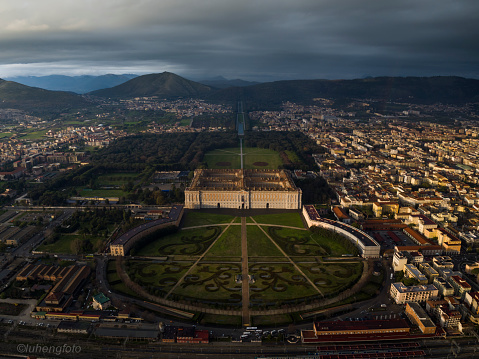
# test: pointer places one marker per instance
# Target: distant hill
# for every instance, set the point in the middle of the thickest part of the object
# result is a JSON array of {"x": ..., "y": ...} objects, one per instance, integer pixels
[
  {"x": 444, "y": 89},
  {"x": 221, "y": 82},
  {"x": 38, "y": 101},
  {"x": 164, "y": 85},
  {"x": 77, "y": 84}
]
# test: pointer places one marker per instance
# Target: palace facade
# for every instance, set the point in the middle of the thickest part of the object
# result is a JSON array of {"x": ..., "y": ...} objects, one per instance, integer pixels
[{"x": 242, "y": 189}]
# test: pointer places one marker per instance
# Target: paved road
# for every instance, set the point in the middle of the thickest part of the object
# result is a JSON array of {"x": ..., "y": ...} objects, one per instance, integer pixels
[{"x": 245, "y": 274}]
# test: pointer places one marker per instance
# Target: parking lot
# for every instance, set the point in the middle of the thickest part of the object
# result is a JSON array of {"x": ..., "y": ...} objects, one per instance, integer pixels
[{"x": 389, "y": 239}]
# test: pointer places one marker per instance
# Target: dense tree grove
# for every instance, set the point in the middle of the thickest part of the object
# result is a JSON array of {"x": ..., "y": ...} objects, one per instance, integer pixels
[
  {"x": 315, "y": 190},
  {"x": 93, "y": 222},
  {"x": 136, "y": 152},
  {"x": 146, "y": 153}
]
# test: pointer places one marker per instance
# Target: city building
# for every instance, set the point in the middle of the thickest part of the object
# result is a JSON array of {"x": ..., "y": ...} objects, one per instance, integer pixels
[
  {"x": 356, "y": 330},
  {"x": 461, "y": 287},
  {"x": 410, "y": 271},
  {"x": 445, "y": 289},
  {"x": 101, "y": 302},
  {"x": 414, "y": 293},
  {"x": 429, "y": 271},
  {"x": 62, "y": 294},
  {"x": 442, "y": 262},
  {"x": 399, "y": 261},
  {"x": 418, "y": 316},
  {"x": 448, "y": 318}
]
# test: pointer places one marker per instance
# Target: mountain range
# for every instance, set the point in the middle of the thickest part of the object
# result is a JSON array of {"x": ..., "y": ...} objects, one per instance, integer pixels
[
  {"x": 164, "y": 85},
  {"x": 444, "y": 89},
  {"x": 425, "y": 90},
  {"x": 38, "y": 101},
  {"x": 78, "y": 84},
  {"x": 221, "y": 82}
]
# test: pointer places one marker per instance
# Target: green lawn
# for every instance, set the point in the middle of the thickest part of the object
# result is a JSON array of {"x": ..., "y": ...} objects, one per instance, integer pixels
[
  {"x": 332, "y": 245},
  {"x": 63, "y": 245},
  {"x": 85, "y": 192},
  {"x": 259, "y": 245},
  {"x": 271, "y": 320},
  {"x": 185, "y": 121},
  {"x": 212, "y": 282},
  {"x": 333, "y": 277},
  {"x": 277, "y": 282},
  {"x": 5, "y": 134},
  {"x": 116, "y": 179},
  {"x": 234, "y": 320},
  {"x": 228, "y": 245},
  {"x": 293, "y": 157},
  {"x": 184, "y": 242},
  {"x": 158, "y": 278},
  {"x": 122, "y": 288},
  {"x": 231, "y": 158},
  {"x": 34, "y": 135},
  {"x": 198, "y": 218},
  {"x": 283, "y": 219},
  {"x": 111, "y": 274},
  {"x": 296, "y": 242}
]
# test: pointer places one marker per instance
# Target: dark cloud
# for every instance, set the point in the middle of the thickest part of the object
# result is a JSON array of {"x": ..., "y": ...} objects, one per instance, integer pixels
[{"x": 251, "y": 39}]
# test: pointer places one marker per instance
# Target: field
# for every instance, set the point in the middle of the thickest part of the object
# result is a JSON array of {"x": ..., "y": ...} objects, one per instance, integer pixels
[
  {"x": 259, "y": 245},
  {"x": 85, "y": 192},
  {"x": 63, "y": 245},
  {"x": 190, "y": 242},
  {"x": 228, "y": 245},
  {"x": 116, "y": 179},
  {"x": 193, "y": 218},
  {"x": 34, "y": 135},
  {"x": 254, "y": 158},
  {"x": 285, "y": 219},
  {"x": 203, "y": 263}
]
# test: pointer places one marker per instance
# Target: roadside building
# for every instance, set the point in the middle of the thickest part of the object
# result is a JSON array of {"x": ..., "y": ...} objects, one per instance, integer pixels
[
  {"x": 357, "y": 330},
  {"x": 445, "y": 289},
  {"x": 461, "y": 287},
  {"x": 74, "y": 327},
  {"x": 399, "y": 261},
  {"x": 448, "y": 318},
  {"x": 410, "y": 271},
  {"x": 101, "y": 302},
  {"x": 415, "y": 293},
  {"x": 418, "y": 316},
  {"x": 442, "y": 262},
  {"x": 429, "y": 272}
]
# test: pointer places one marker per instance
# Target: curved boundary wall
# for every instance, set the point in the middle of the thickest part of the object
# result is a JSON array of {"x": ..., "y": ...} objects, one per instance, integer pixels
[
  {"x": 121, "y": 245},
  {"x": 368, "y": 247}
]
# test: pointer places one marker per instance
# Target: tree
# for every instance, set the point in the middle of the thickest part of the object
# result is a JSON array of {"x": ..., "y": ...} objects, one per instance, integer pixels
[{"x": 77, "y": 246}]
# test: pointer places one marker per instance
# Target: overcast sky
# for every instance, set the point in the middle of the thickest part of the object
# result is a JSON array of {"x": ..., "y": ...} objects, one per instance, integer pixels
[{"x": 249, "y": 39}]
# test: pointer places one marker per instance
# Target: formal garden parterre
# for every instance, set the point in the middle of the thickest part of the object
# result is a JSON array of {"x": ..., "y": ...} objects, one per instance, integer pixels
[{"x": 200, "y": 264}]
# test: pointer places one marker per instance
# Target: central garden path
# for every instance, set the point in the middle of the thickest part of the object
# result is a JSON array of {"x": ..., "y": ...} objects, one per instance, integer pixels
[
  {"x": 245, "y": 274},
  {"x": 199, "y": 259},
  {"x": 288, "y": 257}
]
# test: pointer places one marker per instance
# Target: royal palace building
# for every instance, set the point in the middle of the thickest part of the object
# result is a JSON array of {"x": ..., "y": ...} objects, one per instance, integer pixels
[{"x": 242, "y": 189}]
